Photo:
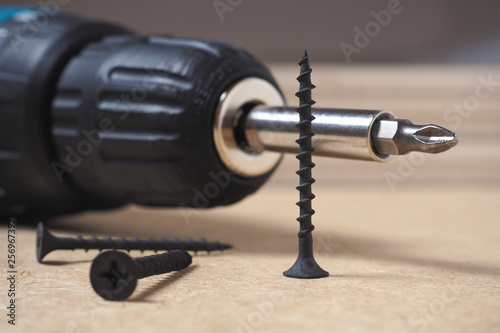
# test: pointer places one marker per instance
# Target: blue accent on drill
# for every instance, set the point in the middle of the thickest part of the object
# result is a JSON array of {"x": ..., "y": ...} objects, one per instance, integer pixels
[{"x": 6, "y": 12}]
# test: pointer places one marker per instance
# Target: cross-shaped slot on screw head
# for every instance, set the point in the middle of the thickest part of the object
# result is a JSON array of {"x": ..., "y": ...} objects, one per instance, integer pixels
[{"x": 115, "y": 278}]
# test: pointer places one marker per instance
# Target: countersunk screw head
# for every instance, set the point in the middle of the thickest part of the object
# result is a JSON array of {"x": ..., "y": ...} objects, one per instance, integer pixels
[
  {"x": 45, "y": 242},
  {"x": 113, "y": 275}
]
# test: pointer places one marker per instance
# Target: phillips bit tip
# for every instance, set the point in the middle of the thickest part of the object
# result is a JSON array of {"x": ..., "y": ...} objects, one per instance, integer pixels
[{"x": 401, "y": 136}]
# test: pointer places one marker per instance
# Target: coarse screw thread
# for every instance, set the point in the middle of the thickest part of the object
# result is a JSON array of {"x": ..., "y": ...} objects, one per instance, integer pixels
[
  {"x": 114, "y": 274},
  {"x": 47, "y": 242},
  {"x": 162, "y": 263},
  {"x": 305, "y": 266},
  {"x": 305, "y": 147}
]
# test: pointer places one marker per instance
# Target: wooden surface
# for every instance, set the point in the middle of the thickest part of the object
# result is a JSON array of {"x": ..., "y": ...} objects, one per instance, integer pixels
[{"x": 420, "y": 255}]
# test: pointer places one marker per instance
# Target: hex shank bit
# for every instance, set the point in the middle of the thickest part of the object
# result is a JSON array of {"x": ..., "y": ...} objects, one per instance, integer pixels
[{"x": 372, "y": 135}]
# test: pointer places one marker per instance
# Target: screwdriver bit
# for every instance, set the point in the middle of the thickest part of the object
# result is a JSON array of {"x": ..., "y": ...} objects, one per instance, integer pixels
[{"x": 401, "y": 136}]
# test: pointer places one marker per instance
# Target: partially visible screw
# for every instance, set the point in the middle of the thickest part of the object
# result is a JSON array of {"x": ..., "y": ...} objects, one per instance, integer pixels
[
  {"x": 46, "y": 242},
  {"x": 305, "y": 267},
  {"x": 114, "y": 274}
]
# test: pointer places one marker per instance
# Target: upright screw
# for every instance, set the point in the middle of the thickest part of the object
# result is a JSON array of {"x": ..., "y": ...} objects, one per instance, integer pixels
[
  {"x": 114, "y": 274},
  {"x": 46, "y": 242},
  {"x": 305, "y": 267}
]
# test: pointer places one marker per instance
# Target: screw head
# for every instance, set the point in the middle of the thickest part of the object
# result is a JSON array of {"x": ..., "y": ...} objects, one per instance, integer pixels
[
  {"x": 305, "y": 268},
  {"x": 45, "y": 242},
  {"x": 113, "y": 275}
]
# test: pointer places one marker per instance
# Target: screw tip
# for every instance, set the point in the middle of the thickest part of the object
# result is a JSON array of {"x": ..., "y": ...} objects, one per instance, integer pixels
[
  {"x": 304, "y": 62},
  {"x": 226, "y": 247}
]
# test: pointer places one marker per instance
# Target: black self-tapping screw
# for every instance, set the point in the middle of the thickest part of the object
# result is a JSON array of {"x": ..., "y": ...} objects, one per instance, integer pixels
[
  {"x": 114, "y": 274},
  {"x": 305, "y": 267},
  {"x": 46, "y": 242}
]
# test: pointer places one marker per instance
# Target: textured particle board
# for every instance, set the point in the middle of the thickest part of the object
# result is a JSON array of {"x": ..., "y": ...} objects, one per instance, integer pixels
[
  {"x": 426, "y": 258},
  {"x": 422, "y": 257}
]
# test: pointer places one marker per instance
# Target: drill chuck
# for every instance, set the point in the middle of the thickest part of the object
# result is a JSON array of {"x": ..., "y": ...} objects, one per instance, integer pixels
[{"x": 132, "y": 120}]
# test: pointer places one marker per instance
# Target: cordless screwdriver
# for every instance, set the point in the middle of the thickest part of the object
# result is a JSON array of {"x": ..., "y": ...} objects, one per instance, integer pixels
[{"x": 93, "y": 116}]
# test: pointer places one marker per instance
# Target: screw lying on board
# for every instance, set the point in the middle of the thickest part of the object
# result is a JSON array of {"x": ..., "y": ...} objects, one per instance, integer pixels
[
  {"x": 305, "y": 267},
  {"x": 114, "y": 274},
  {"x": 46, "y": 242}
]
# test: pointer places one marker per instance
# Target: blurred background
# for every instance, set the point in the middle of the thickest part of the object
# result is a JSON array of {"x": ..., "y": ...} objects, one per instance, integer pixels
[{"x": 418, "y": 31}]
